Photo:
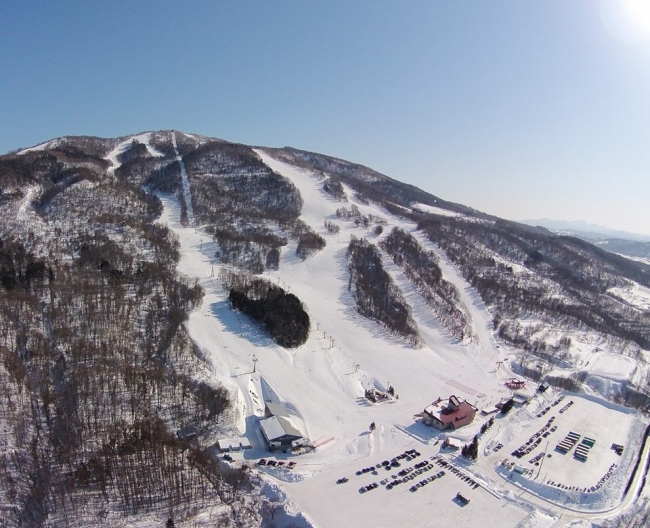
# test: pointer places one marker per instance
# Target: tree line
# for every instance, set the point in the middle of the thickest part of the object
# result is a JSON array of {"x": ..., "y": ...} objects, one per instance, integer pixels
[
  {"x": 422, "y": 269},
  {"x": 375, "y": 294}
]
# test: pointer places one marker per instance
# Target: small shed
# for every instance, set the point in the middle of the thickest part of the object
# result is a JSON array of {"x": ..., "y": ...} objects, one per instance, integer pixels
[
  {"x": 520, "y": 398},
  {"x": 230, "y": 445},
  {"x": 450, "y": 443}
]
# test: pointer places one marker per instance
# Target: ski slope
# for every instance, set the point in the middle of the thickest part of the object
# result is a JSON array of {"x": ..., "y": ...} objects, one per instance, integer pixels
[
  {"x": 125, "y": 145},
  {"x": 324, "y": 380},
  {"x": 187, "y": 196}
]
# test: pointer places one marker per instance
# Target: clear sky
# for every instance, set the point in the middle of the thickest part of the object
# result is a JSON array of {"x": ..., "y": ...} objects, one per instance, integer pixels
[{"x": 517, "y": 108}]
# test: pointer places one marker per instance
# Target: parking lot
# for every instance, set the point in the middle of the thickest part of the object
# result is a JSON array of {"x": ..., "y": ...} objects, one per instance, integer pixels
[{"x": 569, "y": 446}]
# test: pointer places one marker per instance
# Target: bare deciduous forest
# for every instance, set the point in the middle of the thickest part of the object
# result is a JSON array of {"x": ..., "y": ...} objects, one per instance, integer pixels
[
  {"x": 99, "y": 379},
  {"x": 376, "y": 296},
  {"x": 421, "y": 268},
  {"x": 97, "y": 370}
]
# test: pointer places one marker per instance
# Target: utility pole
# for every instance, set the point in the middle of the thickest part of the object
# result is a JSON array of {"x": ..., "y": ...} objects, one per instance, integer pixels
[{"x": 542, "y": 462}]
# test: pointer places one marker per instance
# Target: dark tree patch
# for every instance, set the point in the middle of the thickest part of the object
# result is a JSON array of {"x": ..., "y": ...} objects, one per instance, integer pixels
[{"x": 281, "y": 313}]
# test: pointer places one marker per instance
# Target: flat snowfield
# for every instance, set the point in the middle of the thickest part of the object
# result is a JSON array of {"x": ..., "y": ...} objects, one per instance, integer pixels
[{"x": 324, "y": 381}]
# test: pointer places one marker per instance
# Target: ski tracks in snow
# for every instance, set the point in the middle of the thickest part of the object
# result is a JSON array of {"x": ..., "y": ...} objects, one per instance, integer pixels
[
  {"x": 480, "y": 318},
  {"x": 187, "y": 196}
]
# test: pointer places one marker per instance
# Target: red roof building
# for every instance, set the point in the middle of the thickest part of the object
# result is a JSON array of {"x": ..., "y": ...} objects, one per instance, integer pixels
[
  {"x": 514, "y": 383},
  {"x": 449, "y": 415}
]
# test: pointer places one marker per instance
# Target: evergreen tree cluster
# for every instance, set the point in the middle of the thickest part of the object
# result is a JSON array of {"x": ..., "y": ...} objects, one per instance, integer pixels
[
  {"x": 333, "y": 187},
  {"x": 486, "y": 426},
  {"x": 507, "y": 406},
  {"x": 471, "y": 450},
  {"x": 282, "y": 314},
  {"x": 309, "y": 242}
]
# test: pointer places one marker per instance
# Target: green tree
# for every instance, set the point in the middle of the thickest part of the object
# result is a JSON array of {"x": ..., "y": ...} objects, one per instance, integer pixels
[{"x": 507, "y": 406}]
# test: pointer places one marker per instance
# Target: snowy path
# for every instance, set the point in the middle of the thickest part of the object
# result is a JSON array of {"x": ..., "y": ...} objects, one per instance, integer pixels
[
  {"x": 187, "y": 196},
  {"x": 23, "y": 213},
  {"x": 480, "y": 317},
  {"x": 123, "y": 146}
]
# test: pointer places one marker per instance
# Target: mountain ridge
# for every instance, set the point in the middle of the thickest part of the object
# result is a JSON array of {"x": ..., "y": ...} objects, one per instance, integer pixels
[
  {"x": 585, "y": 229},
  {"x": 120, "y": 260}
]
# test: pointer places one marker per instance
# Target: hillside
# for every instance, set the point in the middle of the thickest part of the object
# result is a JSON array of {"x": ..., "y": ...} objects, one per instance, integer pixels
[{"x": 157, "y": 289}]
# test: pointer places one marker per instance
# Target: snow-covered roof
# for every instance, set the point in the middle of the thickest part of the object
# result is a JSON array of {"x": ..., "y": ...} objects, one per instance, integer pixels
[
  {"x": 520, "y": 398},
  {"x": 277, "y": 409},
  {"x": 278, "y": 426},
  {"x": 235, "y": 443}
]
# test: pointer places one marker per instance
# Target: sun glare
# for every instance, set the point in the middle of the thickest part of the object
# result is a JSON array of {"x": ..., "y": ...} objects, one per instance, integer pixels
[
  {"x": 638, "y": 12},
  {"x": 628, "y": 20}
]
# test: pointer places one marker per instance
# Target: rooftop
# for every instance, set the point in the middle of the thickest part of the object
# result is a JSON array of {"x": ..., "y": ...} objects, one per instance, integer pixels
[
  {"x": 449, "y": 412},
  {"x": 277, "y": 409},
  {"x": 278, "y": 426}
]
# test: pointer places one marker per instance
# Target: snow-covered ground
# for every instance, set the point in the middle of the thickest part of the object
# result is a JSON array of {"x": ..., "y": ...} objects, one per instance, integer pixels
[
  {"x": 634, "y": 294},
  {"x": 434, "y": 210},
  {"x": 38, "y": 148},
  {"x": 187, "y": 195},
  {"x": 324, "y": 382},
  {"x": 125, "y": 145}
]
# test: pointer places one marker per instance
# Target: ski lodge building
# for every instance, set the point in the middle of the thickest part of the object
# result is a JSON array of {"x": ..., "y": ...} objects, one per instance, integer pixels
[
  {"x": 449, "y": 415},
  {"x": 281, "y": 428}
]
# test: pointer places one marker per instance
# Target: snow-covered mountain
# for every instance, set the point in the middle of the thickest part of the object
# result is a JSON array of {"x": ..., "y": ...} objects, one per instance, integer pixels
[
  {"x": 583, "y": 229},
  {"x": 157, "y": 289},
  {"x": 624, "y": 243}
]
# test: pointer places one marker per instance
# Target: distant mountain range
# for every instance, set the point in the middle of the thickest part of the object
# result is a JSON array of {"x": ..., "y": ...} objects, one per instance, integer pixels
[
  {"x": 585, "y": 230},
  {"x": 631, "y": 244}
]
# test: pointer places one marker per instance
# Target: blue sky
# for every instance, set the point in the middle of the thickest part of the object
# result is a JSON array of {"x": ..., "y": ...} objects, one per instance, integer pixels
[{"x": 519, "y": 109}]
